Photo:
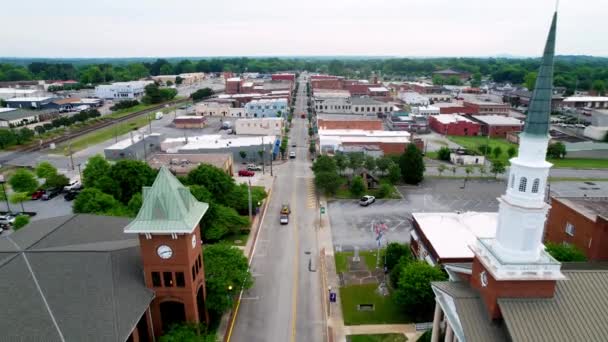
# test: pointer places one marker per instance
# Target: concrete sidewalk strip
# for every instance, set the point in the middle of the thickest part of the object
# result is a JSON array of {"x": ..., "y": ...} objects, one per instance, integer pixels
[{"x": 380, "y": 329}]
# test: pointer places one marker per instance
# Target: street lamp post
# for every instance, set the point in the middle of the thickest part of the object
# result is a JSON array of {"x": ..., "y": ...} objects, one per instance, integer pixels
[
  {"x": 2, "y": 181},
  {"x": 80, "y": 173}
]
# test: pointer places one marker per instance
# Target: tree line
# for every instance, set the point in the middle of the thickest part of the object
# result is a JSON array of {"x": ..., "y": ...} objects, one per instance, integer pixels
[{"x": 571, "y": 72}]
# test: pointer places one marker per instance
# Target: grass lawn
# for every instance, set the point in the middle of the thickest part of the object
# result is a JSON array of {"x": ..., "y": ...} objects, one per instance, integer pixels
[
  {"x": 580, "y": 163},
  {"x": 369, "y": 257},
  {"x": 233, "y": 238},
  {"x": 378, "y": 338},
  {"x": 385, "y": 310},
  {"x": 122, "y": 112},
  {"x": 104, "y": 134},
  {"x": 472, "y": 143},
  {"x": 344, "y": 193}
]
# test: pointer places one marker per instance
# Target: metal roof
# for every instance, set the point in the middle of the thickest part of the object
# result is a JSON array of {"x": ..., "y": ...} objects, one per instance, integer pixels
[
  {"x": 168, "y": 207},
  {"x": 71, "y": 278},
  {"x": 577, "y": 312},
  {"x": 19, "y": 113},
  {"x": 539, "y": 109}
]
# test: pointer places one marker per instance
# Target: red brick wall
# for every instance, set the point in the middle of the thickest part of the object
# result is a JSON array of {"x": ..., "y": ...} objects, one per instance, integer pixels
[
  {"x": 232, "y": 87},
  {"x": 284, "y": 77},
  {"x": 354, "y": 124},
  {"x": 461, "y": 128},
  {"x": 591, "y": 237},
  {"x": 453, "y": 110},
  {"x": 513, "y": 289},
  {"x": 358, "y": 89},
  {"x": 502, "y": 131},
  {"x": 327, "y": 84}
]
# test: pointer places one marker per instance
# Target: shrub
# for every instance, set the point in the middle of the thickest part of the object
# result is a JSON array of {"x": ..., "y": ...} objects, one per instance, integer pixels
[
  {"x": 384, "y": 191},
  {"x": 444, "y": 153},
  {"x": 21, "y": 221},
  {"x": 357, "y": 186}
]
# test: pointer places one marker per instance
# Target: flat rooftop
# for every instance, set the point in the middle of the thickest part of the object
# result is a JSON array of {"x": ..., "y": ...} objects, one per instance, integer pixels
[
  {"x": 451, "y": 234},
  {"x": 450, "y": 118},
  {"x": 586, "y": 99},
  {"x": 29, "y": 99},
  {"x": 183, "y": 162},
  {"x": 362, "y": 133},
  {"x": 129, "y": 142},
  {"x": 484, "y": 103},
  {"x": 378, "y": 89},
  {"x": 214, "y": 141},
  {"x": 17, "y": 91},
  {"x": 347, "y": 117},
  {"x": 591, "y": 207},
  {"x": 497, "y": 120},
  {"x": 579, "y": 189}
]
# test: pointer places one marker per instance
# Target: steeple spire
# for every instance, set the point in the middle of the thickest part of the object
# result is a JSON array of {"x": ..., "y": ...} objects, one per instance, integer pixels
[{"x": 537, "y": 122}]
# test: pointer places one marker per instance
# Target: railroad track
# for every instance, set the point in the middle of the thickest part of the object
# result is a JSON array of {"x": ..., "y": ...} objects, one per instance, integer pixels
[{"x": 87, "y": 130}]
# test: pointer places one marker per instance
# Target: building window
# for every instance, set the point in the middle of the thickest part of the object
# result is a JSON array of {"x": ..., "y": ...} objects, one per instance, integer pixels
[
  {"x": 168, "y": 279},
  {"x": 512, "y": 181},
  {"x": 193, "y": 273},
  {"x": 180, "y": 281},
  {"x": 523, "y": 182},
  {"x": 569, "y": 229},
  {"x": 156, "y": 279},
  {"x": 535, "y": 185}
]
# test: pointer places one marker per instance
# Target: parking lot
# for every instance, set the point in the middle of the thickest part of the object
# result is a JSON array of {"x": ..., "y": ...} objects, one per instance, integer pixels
[{"x": 353, "y": 225}]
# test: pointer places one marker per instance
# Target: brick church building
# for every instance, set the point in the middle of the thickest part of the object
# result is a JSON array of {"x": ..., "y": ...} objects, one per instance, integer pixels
[{"x": 101, "y": 278}]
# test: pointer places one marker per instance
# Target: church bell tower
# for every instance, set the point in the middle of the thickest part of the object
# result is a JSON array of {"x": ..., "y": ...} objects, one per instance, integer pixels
[{"x": 171, "y": 251}]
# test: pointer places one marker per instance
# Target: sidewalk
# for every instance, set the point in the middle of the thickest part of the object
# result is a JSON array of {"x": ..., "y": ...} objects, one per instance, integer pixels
[{"x": 409, "y": 330}]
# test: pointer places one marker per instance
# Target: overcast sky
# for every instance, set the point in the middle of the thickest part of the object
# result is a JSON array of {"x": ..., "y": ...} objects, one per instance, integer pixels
[{"x": 130, "y": 28}]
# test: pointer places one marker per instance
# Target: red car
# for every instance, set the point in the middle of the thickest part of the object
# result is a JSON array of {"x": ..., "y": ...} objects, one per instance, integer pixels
[
  {"x": 246, "y": 173},
  {"x": 37, "y": 194}
]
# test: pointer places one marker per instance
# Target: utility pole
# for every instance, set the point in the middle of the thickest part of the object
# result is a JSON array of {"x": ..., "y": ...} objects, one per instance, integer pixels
[
  {"x": 71, "y": 155},
  {"x": 249, "y": 197},
  {"x": 150, "y": 122},
  {"x": 263, "y": 156}
]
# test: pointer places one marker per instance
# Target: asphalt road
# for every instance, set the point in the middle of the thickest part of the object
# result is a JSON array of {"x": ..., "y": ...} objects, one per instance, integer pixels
[{"x": 285, "y": 301}]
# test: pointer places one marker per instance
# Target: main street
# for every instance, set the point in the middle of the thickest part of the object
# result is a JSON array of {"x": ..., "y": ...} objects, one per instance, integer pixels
[{"x": 285, "y": 301}]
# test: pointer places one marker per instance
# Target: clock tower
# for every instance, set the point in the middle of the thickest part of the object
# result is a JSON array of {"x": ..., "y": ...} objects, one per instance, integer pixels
[{"x": 171, "y": 251}]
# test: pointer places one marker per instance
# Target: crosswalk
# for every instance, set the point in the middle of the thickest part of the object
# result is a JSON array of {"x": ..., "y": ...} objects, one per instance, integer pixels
[{"x": 311, "y": 196}]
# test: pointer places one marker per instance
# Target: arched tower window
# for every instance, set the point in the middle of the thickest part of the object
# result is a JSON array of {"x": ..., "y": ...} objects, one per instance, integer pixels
[
  {"x": 523, "y": 182},
  {"x": 512, "y": 181},
  {"x": 535, "y": 185}
]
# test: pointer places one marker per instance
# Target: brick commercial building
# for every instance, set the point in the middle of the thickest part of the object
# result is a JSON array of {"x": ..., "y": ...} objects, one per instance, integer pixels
[
  {"x": 453, "y": 124},
  {"x": 284, "y": 77},
  {"x": 103, "y": 278},
  {"x": 330, "y": 121},
  {"x": 180, "y": 164},
  {"x": 190, "y": 121},
  {"x": 486, "y": 108},
  {"x": 582, "y": 222},
  {"x": 390, "y": 142},
  {"x": 447, "y": 73},
  {"x": 233, "y": 85},
  {"x": 497, "y": 125}
]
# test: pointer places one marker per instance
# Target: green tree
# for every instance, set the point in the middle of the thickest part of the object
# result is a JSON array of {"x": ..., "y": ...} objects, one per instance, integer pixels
[
  {"x": 57, "y": 181},
  {"x": 215, "y": 180},
  {"x": 438, "y": 80},
  {"x": 441, "y": 169},
  {"x": 226, "y": 274},
  {"x": 7, "y": 138},
  {"x": 23, "y": 181},
  {"x": 96, "y": 168},
  {"x": 476, "y": 80},
  {"x": 413, "y": 290},
  {"x": 497, "y": 151},
  {"x": 21, "y": 221},
  {"x": 530, "y": 80},
  {"x": 356, "y": 161},
  {"x": 498, "y": 167},
  {"x": 565, "y": 252},
  {"x": 328, "y": 182},
  {"x": 394, "y": 173},
  {"x": 201, "y": 94},
  {"x": 188, "y": 332},
  {"x": 19, "y": 198},
  {"x": 454, "y": 169},
  {"x": 511, "y": 152},
  {"x": 556, "y": 150},
  {"x": 394, "y": 252},
  {"x": 93, "y": 201},
  {"x": 412, "y": 165},
  {"x": 370, "y": 164},
  {"x": 341, "y": 162},
  {"x": 135, "y": 204},
  {"x": 357, "y": 186},
  {"x": 324, "y": 164},
  {"x": 243, "y": 154},
  {"x": 385, "y": 190},
  {"x": 137, "y": 70},
  {"x": 484, "y": 149},
  {"x": 129, "y": 177},
  {"x": 599, "y": 86},
  {"x": 468, "y": 170},
  {"x": 444, "y": 153},
  {"x": 45, "y": 170},
  {"x": 383, "y": 163}
]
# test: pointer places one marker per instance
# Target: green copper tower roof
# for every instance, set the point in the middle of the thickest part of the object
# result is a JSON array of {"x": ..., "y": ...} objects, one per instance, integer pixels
[
  {"x": 168, "y": 207},
  {"x": 539, "y": 110}
]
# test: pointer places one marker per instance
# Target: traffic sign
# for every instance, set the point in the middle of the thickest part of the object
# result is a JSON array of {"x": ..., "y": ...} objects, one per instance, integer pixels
[
  {"x": 322, "y": 210},
  {"x": 332, "y": 297}
]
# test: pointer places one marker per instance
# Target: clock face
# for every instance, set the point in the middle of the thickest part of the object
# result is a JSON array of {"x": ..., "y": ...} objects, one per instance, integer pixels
[
  {"x": 483, "y": 277},
  {"x": 164, "y": 252},
  {"x": 194, "y": 241}
]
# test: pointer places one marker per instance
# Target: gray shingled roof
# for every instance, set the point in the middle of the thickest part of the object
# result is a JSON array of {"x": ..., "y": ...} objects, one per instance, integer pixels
[
  {"x": 576, "y": 313},
  {"x": 71, "y": 278}
]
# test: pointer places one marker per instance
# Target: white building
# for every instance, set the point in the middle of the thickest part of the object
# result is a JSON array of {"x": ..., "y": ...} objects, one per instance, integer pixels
[
  {"x": 599, "y": 125},
  {"x": 413, "y": 98},
  {"x": 586, "y": 101},
  {"x": 390, "y": 142},
  {"x": 466, "y": 159},
  {"x": 14, "y": 116},
  {"x": 425, "y": 110},
  {"x": 259, "y": 126},
  {"x": 7, "y": 93},
  {"x": 121, "y": 90},
  {"x": 266, "y": 108}
]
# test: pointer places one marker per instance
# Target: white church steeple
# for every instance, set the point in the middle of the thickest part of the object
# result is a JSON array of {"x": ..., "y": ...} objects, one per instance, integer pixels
[{"x": 517, "y": 251}]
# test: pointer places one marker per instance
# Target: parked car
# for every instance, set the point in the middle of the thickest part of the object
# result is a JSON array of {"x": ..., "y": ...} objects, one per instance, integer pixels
[
  {"x": 51, "y": 193},
  {"x": 293, "y": 145},
  {"x": 292, "y": 155},
  {"x": 71, "y": 195},
  {"x": 253, "y": 167},
  {"x": 303, "y": 116},
  {"x": 7, "y": 220},
  {"x": 284, "y": 219},
  {"x": 367, "y": 200},
  {"x": 246, "y": 173},
  {"x": 73, "y": 185},
  {"x": 38, "y": 194}
]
